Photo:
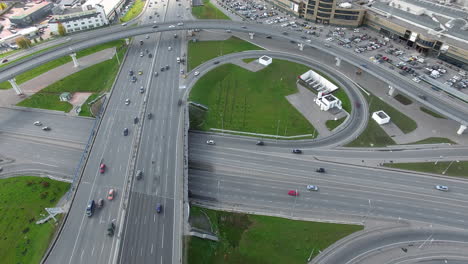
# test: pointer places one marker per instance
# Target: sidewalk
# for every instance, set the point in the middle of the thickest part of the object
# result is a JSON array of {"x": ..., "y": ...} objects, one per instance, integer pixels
[{"x": 9, "y": 98}]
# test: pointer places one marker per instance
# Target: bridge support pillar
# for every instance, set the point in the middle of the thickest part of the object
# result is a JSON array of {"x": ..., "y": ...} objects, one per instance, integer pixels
[
  {"x": 461, "y": 129},
  {"x": 15, "y": 86},
  {"x": 391, "y": 90},
  {"x": 127, "y": 41},
  {"x": 301, "y": 46},
  {"x": 75, "y": 61},
  {"x": 338, "y": 61},
  {"x": 251, "y": 34}
]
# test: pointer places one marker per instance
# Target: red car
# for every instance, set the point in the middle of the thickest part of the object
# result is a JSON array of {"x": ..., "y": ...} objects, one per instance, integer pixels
[
  {"x": 293, "y": 193},
  {"x": 110, "y": 195},
  {"x": 102, "y": 168}
]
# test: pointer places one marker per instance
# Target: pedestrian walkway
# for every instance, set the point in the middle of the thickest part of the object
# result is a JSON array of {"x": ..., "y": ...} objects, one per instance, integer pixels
[{"x": 9, "y": 98}]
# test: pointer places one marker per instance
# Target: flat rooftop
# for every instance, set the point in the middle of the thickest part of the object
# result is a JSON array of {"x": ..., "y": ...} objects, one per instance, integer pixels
[{"x": 417, "y": 23}]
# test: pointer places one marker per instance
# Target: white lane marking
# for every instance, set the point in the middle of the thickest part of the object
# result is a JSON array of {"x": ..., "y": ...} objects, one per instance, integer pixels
[
  {"x": 162, "y": 237},
  {"x": 92, "y": 251},
  {"x": 152, "y": 248},
  {"x": 102, "y": 249},
  {"x": 81, "y": 257},
  {"x": 154, "y": 218}
]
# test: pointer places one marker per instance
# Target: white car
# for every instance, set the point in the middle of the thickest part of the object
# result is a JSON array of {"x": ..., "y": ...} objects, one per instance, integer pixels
[
  {"x": 210, "y": 142},
  {"x": 38, "y": 123},
  {"x": 312, "y": 187},
  {"x": 169, "y": 48},
  {"x": 147, "y": 37},
  {"x": 171, "y": 26},
  {"x": 127, "y": 101},
  {"x": 141, "y": 54},
  {"x": 416, "y": 79},
  {"x": 196, "y": 73},
  {"x": 442, "y": 188},
  {"x": 180, "y": 24}
]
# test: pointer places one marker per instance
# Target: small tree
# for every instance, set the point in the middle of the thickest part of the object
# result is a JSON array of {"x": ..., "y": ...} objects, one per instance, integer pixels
[
  {"x": 41, "y": 38},
  {"x": 61, "y": 30},
  {"x": 23, "y": 42},
  {"x": 3, "y": 6},
  {"x": 35, "y": 41}
]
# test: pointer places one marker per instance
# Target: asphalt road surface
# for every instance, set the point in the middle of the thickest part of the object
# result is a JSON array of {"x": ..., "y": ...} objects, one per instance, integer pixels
[{"x": 260, "y": 180}]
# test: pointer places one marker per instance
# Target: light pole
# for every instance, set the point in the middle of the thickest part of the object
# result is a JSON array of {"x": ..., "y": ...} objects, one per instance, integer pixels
[
  {"x": 435, "y": 163},
  {"x": 449, "y": 166}
]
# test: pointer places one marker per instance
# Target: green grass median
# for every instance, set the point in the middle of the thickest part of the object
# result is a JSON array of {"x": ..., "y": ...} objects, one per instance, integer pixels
[
  {"x": 208, "y": 11},
  {"x": 255, "y": 102},
  {"x": 26, "y": 76},
  {"x": 22, "y": 203},
  {"x": 451, "y": 168},
  {"x": 201, "y": 51},
  {"x": 94, "y": 79},
  {"x": 134, "y": 11},
  {"x": 332, "y": 124},
  {"x": 256, "y": 239}
]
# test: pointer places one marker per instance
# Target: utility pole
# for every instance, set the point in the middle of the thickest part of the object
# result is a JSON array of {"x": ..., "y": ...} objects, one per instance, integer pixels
[{"x": 449, "y": 166}]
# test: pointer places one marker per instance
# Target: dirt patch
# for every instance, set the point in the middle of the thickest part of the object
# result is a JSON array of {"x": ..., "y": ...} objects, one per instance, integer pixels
[{"x": 79, "y": 98}]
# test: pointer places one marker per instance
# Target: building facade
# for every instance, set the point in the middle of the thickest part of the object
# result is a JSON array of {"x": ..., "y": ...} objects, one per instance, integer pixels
[
  {"x": 79, "y": 21},
  {"x": 29, "y": 16},
  {"x": 332, "y": 12}
]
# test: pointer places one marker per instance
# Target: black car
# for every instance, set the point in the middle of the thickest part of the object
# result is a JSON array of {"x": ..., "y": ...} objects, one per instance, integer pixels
[
  {"x": 90, "y": 208},
  {"x": 285, "y": 33},
  {"x": 292, "y": 41},
  {"x": 296, "y": 151},
  {"x": 167, "y": 67},
  {"x": 162, "y": 69},
  {"x": 139, "y": 174},
  {"x": 135, "y": 120},
  {"x": 134, "y": 79},
  {"x": 155, "y": 26},
  {"x": 130, "y": 73},
  {"x": 150, "y": 55},
  {"x": 260, "y": 143},
  {"x": 150, "y": 115},
  {"x": 322, "y": 170},
  {"x": 216, "y": 62},
  {"x": 125, "y": 132},
  {"x": 111, "y": 229},
  {"x": 141, "y": 42},
  {"x": 268, "y": 37},
  {"x": 150, "y": 17}
]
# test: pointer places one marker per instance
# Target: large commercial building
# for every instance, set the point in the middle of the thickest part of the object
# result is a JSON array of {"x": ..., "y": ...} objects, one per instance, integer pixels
[
  {"x": 31, "y": 15},
  {"x": 325, "y": 11},
  {"x": 434, "y": 27},
  {"x": 431, "y": 28},
  {"x": 78, "y": 21}
]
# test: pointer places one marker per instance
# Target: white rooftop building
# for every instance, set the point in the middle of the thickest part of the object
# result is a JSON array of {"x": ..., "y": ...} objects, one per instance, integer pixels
[
  {"x": 381, "y": 117},
  {"x": 111, "y": 7},
  {"x": 327, "y": 101},
  {"x": 78, "y": 21},
  {"x": 317, "y": 82},
  {"x": 265, "y": 60}
]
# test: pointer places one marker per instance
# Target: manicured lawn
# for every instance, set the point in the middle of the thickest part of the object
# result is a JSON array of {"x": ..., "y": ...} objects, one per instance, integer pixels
[
  {"x": 201, "y": 51},
  {"x": 258, "y": 239},
  {"x": 332, "y": 124},
  {"x": 22, "y": 201},
  {"x": 208, "y": 11},
  {"x": 432, "y": 113},
  {"x": 94, "y": 79},
  {"x": 458, "y": 169},
  {"x": 238, "y": 101},
  {"x": 372, "y": 136},
  {"x": 58, "y": 62},
  {"x": 249, "y": 60},
  {"x": 134, "y": 11},
  {"x": 403, "y": 99},
  {"x": 434, "y": 140},
  {"x": 85, "y": 109}
]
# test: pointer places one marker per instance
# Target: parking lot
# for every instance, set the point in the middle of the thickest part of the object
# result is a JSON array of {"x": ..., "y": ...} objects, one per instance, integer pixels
[{"x": 368, "y": 43}]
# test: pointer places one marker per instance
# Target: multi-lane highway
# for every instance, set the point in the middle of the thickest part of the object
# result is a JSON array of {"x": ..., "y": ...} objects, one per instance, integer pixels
[
  {"x": 259, "y": 178},
  {"x": 233, "y": 174},
  {"x": 454, "y": 110}
]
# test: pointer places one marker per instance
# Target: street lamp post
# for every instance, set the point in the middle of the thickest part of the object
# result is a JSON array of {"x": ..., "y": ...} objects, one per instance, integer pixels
[{"x": 450, "y": 164}]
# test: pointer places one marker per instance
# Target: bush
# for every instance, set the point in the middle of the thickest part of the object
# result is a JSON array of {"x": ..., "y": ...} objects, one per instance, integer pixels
[
  {"x": 43, "y": 195},
  {"x": 45, "y": 184}
]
